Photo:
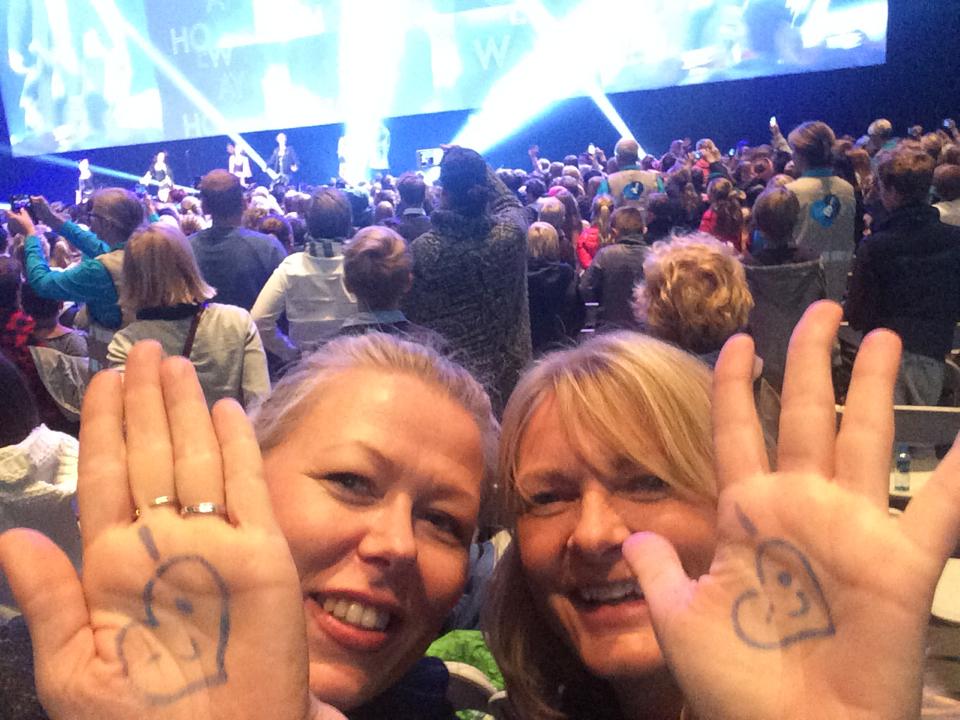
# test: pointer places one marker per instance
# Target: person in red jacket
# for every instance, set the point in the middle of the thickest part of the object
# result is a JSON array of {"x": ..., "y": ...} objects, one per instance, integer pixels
[{"x": 599, "y": 233}]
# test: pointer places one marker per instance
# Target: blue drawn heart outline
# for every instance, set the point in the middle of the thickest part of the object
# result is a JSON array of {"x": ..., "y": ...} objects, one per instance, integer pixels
[
  {"x": 219, "y": 677},
  {"x": 768, "y": 547}
]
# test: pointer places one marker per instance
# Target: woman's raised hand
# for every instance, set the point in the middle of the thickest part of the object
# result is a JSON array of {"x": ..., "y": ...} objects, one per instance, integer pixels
[
  {"x": 817, "y": 600},
  {"x": 177, "y": 616}
]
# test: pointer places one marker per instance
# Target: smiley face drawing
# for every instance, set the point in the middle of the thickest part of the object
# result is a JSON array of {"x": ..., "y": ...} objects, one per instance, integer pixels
[
  {"x": 180, "y": 645},
  {"x": 789, "y": 605}
]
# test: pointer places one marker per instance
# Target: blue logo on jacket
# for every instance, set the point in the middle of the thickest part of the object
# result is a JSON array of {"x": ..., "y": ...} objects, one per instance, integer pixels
[{"x": 825, "y": 211}]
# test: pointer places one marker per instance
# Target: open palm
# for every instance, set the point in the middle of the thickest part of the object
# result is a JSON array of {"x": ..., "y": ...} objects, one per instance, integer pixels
[
  {"x": 817, "y": 601},
  {"x": 176, "y": 617}
]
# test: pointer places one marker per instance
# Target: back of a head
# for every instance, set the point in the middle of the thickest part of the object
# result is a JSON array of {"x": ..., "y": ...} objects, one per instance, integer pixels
[
  {"x": 383, "y": 211},
  {"x": 10, "y": 280},
  {"x": 329, "y": 215},
  {"x": 907, "y": 171},
  {"x": 463, "y": 176},
  {"x": 221, "y": 194},
  {"x": 412, "y": 189},
  {"x": 661, "y": 215},
  {"x": 946, "y": 182},
  {"x": 279, "y": 227},
  {"x": 552, "y": 211},
  {"x": 932, "y": 144},
  {"x": 377, "y": 267},
  {"x": 18, "y": 411},
  {"x": 720, "y": 189},
  {"x": 628, "y": 222},
  {"x": 536, "y": 189},
  {"x": 694, "y": 293},
  {"x": 775, "y": 213},
  {"x": 602, "y": 210},
  {"x": 159, "y": 270},
  {"x": 880, "y": 129},
  {"x": 120, "y": 208},
  {"x": 627, "y": 151},
  {"x": 543, "y": 241},
  {"x": 950, "y": 155},
  {"x": 813, "y": 142},
  {"x": 44, "y": 310}
]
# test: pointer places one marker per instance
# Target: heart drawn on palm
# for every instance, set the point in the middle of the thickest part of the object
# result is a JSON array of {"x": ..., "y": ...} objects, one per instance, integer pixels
[
  {"x": 180, "y": 646},
  {"x": 789, "y": 604}
]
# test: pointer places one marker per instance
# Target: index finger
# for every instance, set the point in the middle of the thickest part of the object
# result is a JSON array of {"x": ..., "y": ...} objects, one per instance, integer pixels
[
  {"x": 103, "y": 494},
  {"x": 737, "y": 437},
  {"x": 808, "y": 418}
]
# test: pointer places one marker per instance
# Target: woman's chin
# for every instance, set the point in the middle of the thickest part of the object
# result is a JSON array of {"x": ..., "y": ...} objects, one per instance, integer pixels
[{"x": 342, "y": 687}]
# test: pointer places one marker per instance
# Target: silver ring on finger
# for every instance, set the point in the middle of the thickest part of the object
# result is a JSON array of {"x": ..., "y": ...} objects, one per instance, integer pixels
[
  {"x": 160, "y": 501},
  {"x": 204, "y": 508}
]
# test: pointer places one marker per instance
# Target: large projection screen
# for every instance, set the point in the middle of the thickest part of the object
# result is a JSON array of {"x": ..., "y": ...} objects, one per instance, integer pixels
[{"x": 98, "y": 73}]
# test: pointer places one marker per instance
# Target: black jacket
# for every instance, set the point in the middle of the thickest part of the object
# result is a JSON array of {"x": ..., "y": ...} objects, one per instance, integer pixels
[
  {"x": 556, "y": 311},
  {"x": 906, "y": 277},
  {"x": 610, "y": 280}
]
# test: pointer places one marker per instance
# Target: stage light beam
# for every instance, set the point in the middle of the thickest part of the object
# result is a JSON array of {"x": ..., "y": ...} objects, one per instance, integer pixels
[
  {"x": 515, "y": 101},
  {"x": 110, "y": 15}
]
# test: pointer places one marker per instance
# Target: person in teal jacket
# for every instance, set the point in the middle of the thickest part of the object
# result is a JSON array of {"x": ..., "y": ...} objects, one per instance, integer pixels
[{"x": 95, "y": 280}]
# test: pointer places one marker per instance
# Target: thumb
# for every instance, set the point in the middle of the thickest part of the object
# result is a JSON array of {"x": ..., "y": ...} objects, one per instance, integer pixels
[
  {"x": 655, "y": 562},
  {"x": 46, "y": 588}
]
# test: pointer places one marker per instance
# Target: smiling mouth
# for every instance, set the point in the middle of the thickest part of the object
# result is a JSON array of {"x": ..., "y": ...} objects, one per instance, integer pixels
[
  {"x": 608, "y": 594},
  {"x": 357, "y": 614}
]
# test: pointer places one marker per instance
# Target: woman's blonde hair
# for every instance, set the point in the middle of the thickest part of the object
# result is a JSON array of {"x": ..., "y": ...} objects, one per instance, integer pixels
[
  {"x": 694, "y": 293},
  {"x": 159, "y": 270},
  {"x": 543, "y": 241},
  {"x": 600, "y": 212},
  {"x": 616, "y": 394},
  {"x": 293, "y": 396}
]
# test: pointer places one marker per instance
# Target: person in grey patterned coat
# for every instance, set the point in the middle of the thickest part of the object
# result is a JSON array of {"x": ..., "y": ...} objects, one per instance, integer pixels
[{"x": 469, "y": 277}]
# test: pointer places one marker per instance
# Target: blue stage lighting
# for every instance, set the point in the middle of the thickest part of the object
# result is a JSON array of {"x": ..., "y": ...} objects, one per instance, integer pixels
[
  {"x": 111, "y": 16},
  {"x": 519, "y": 98}
]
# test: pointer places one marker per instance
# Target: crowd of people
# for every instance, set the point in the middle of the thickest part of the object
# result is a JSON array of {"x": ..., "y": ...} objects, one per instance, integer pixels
[{"x": 558, "y": 405}]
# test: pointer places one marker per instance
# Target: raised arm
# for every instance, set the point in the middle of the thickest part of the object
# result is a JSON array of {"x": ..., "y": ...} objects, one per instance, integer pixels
[{"x": 817, "y": 600}]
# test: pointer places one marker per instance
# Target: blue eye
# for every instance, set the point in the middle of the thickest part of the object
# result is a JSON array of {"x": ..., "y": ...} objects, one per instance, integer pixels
[{"x": 350, "y": 486}]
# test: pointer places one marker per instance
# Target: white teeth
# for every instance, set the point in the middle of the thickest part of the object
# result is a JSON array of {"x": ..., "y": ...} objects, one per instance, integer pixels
[
  {"x": 354, "y": 613},
  {"x": 611, "y": 592}
]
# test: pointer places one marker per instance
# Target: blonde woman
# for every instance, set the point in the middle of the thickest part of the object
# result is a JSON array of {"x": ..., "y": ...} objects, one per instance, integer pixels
[
  {"x": 694, "y": 294},
  {"x": 656, "y": 574},
  {"x": 249, "y": 588},
  {"x": 163, "y": 286}
]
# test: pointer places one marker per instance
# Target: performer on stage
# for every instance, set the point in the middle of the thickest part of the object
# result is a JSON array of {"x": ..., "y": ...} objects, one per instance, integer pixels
[
  {"x": 85, "y": 181},
  {"x": 159, "y": 174},
  {"x": 283, "y": 162},
  {"x": 239, "y": 164}
]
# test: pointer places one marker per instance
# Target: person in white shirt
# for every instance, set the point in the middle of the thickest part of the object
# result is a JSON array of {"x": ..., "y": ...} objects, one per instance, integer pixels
[
  {"x": 309, "y": 285},
  {"x": 38, "y": 473}
]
